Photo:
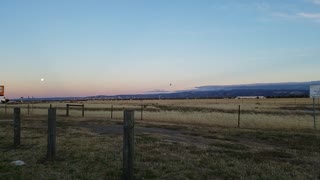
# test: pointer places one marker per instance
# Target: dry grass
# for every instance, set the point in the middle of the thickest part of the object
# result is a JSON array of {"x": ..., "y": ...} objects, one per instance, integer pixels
[
  {"x": 255, "y": 113},
  {"x": 177, "y": 139},
  {"x": 174, "y": 151}
]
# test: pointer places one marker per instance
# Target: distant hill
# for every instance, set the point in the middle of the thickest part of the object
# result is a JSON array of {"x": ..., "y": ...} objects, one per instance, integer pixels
[
  {"x": 286, "y": 89},
  {"x": 261, "y": 86}
]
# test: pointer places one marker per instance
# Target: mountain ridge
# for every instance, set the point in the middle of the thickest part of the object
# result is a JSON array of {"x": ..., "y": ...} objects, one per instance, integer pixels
[{"x": 285, "y": 89}]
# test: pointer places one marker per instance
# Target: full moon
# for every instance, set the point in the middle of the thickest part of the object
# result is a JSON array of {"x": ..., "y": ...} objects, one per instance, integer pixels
[{"x": 41, "y": 79}]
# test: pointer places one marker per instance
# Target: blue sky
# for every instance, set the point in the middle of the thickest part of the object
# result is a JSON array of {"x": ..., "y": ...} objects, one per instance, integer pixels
[{"x": 92, "y": 47}]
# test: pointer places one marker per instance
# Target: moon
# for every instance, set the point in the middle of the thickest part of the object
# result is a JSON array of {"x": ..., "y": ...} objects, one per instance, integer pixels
[{"x": 42, "y": 79}]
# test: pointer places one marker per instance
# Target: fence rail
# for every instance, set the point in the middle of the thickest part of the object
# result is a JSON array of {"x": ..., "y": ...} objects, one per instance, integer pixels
[{"x": 254, "y": 115}]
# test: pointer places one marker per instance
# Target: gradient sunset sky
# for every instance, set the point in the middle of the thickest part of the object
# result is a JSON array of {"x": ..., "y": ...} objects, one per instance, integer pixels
[{"x": 94, "y": 47}]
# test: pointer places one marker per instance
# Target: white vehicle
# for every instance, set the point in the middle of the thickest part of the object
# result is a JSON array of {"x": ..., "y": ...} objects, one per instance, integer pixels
[{"x": 2, "y": 98}]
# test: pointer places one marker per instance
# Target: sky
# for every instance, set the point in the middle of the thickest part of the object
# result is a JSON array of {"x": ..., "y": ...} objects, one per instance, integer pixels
[{"x": 109, "y": 47}]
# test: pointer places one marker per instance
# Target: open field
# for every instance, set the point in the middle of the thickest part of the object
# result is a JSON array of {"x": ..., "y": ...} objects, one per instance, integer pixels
[
  {"x": 255, "y": 113},
  {"x": 177, "y": 139}
]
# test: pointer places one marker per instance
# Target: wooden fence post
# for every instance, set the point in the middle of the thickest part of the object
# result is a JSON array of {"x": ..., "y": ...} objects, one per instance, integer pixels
[
  {"x": 141, "y": 112},
  {"x": 111, "y": 111},
  {"x": 51, "y": 148},
  {"x": 128, "y": 144},
  {"x": 239, "y": 117},
  {"x": 82, "y": 110},
  {"x": 17, "y": 127},
  {"x": 314, "y": 114},
  {"x": 67, "y": 113}
]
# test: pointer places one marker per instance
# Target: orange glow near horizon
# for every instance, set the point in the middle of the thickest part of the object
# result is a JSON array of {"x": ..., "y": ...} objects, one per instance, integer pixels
[
  {"x": 84, "y": 87},
  {"x": 74, "y": 90}
]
